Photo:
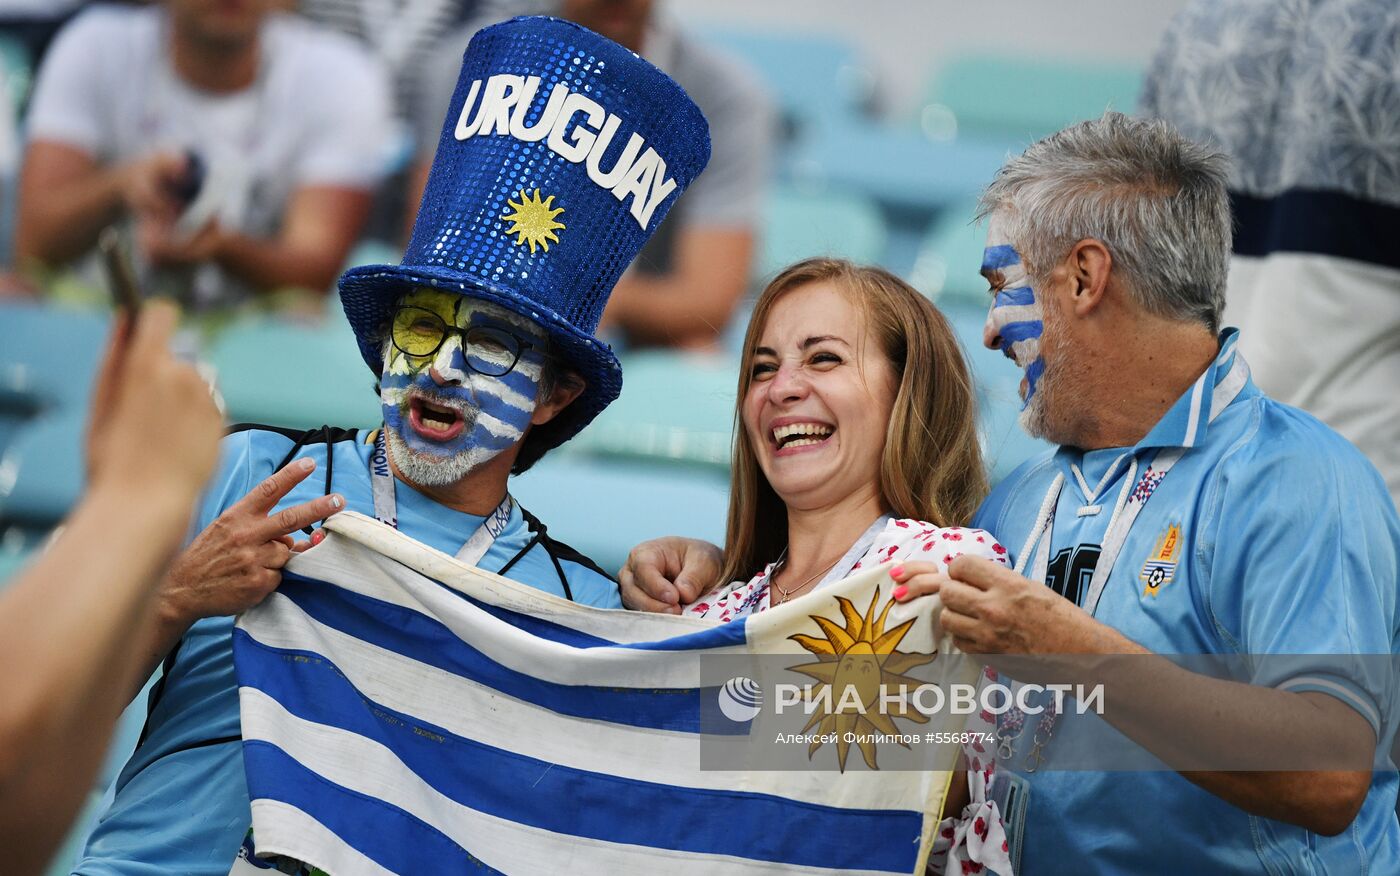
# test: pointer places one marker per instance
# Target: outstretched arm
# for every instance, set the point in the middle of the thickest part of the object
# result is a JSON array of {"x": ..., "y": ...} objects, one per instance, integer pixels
[
  {"x": 69, "y": 623},
  {"x": 318, "y": 228},
  {"x": 66, "y": 197}
]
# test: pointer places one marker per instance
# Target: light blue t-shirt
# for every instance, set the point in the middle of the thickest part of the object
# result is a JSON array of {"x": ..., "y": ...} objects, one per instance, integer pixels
[
  {"x": 181, "y": 802},
  {"x": 1286, "y": 543}
]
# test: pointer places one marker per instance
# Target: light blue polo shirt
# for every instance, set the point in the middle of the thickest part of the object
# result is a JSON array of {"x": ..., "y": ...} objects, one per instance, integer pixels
[
  {"x": 181, "y": 801},
  {"x": 1286, "y": 543}
]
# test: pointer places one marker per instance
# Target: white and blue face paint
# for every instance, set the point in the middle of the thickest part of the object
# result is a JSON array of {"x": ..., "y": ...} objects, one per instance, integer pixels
[
  {"x": 1016, "y": 317},
  {"x": 444, "y": 418}
]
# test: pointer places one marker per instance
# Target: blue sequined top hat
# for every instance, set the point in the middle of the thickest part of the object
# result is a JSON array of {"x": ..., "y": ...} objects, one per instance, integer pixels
[{"x": 561, "y": 153}]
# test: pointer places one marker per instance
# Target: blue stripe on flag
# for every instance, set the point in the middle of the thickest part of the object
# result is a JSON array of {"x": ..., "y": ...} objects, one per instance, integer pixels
[
  {"x": 577, "y": 802},
  {"x": 421, "y": 638},
  {"x": 994, "y": 258},
  {"x": 726, "y": 634},
  {"x": 398, "y": 841}
]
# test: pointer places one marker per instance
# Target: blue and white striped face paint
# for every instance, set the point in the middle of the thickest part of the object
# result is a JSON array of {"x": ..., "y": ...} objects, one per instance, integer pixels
[
  {"x": 443, "y": 418},
  {"x": 1015, "y": 321}
]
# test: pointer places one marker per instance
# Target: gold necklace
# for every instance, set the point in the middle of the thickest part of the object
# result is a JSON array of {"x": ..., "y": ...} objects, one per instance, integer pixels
[{"x": 786, "y": 593}]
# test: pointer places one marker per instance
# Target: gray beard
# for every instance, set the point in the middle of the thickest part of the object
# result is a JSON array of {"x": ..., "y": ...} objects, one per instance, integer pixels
[
  {"x": 1032, "y": 417},
  {"x": 428, "y": 471}
]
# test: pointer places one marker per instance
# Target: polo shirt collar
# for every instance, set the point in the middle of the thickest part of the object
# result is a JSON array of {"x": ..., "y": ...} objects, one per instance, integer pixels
[{"x": 1185, "y": 424}]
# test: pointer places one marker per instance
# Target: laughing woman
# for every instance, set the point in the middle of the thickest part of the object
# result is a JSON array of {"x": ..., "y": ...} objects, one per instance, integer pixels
[{"x": 857, "y": 447}]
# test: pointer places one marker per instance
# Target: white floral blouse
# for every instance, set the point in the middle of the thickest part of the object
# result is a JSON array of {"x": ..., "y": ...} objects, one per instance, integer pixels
[{"x": 975, "y": 840}]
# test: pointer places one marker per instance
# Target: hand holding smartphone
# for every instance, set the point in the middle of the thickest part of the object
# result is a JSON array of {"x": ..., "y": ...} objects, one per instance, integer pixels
[{"x": 121, "y": 280}]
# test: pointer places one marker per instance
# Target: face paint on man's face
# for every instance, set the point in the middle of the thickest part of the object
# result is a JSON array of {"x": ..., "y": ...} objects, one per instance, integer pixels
[
  {"x": 441, "y": 429},
  {"x": 1015, "y": 316}
]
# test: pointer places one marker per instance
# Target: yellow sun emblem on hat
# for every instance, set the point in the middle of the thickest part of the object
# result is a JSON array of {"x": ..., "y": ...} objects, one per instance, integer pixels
[
  {"x": 533, "y": 220},
  {"x": 856, "y": 662}
]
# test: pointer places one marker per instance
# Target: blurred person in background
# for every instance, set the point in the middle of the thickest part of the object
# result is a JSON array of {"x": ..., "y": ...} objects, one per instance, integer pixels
[
  {"x": 241, "y": 145},
  {"x": 686, "y": 284},
  {"x": 71, "y": 622},
  {"x": 1305, "y": 99},
  {"x": 398, "y": 33}
]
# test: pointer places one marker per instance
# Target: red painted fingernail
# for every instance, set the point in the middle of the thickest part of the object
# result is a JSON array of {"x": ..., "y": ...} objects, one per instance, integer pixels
[
  {"x": 897, "y": 572},
  {"x": 900, "y": 591},
  {"x": 317, "y": 537}
]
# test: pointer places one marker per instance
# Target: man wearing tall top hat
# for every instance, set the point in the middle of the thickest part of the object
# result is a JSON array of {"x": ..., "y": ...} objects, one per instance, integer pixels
[{"x": 560, "y": 154}]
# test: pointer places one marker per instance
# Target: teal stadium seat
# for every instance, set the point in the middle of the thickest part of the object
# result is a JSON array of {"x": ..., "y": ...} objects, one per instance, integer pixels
[
  {"x": 675, "y": 408},
  {"x": 49, "y": 357},
  {"x": 603, "y": 507},
  {"x": 294, "y": 375},
  {"x": 978, "y": 110},
  {"x": 656, "y": 462},
  {"x": 898, "y": 166},
  {"x": 798, "y": 226},
  {"x": 1023, "y": 99},
  {"x": 950, "y": 256},
  {"x": 18, "y": 70},
  {"x": 813, "y": 78}
]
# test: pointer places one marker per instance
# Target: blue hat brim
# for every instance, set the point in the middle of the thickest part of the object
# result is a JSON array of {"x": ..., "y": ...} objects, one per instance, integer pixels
[{"x": 368, "y": 294}]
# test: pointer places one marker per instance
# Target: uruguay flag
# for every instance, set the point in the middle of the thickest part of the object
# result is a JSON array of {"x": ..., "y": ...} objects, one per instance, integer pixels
[{"x": 406, "y": 713}]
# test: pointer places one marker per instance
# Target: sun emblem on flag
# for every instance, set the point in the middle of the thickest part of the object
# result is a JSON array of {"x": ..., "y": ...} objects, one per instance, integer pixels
[
  {"x": 856, "y": 661},
  {"x": 532, "y": 220}
]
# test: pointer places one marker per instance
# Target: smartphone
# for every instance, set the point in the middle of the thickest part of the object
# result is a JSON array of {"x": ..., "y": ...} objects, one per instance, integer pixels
[{"x": 120, "y": 277}]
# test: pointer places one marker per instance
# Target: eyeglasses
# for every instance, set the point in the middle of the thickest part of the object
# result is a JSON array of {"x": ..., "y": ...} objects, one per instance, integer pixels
[{"x": 419, "y": 332}]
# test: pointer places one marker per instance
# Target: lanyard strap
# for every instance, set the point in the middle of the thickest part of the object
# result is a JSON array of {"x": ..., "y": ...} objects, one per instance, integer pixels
[{"x": 386, "y": 506}]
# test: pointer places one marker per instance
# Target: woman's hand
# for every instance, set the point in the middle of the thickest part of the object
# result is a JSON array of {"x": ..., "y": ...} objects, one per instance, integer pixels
[{"x": 664, "y": 574}]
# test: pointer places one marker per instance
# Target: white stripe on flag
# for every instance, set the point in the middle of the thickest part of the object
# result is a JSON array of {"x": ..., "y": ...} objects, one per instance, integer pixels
[
  {"x": 453, "y": 703},
  {"x": 375, "y": 551},
  {"x": 508, "y": 645},
  {"x": 368, "y": 768},
  {"x": 292, "y": 832}
]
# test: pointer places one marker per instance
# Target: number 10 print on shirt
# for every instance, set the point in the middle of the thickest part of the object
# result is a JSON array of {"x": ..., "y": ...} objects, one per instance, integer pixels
[{"x": 1070, "y": 571}]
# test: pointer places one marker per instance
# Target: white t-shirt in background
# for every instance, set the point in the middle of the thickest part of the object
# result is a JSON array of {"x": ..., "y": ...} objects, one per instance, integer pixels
[{"x": 318, "y": 114}]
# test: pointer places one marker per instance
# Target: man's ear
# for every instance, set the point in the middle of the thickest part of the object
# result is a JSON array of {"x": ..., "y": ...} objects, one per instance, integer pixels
[
  {"x": 1089, "y": 265},
  {"x": 567, "y": 387}
]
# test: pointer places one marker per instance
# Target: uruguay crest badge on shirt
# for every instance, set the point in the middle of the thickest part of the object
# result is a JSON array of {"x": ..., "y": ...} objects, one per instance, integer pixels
[{"x": 1160, "y": 567}]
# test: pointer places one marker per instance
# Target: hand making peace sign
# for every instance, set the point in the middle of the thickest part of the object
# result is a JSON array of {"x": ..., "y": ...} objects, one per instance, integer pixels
[{"x": 237, "y": 560}]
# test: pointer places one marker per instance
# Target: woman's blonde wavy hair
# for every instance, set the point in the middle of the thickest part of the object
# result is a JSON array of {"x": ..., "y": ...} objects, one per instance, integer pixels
[{"x": 931, "y": 468}]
